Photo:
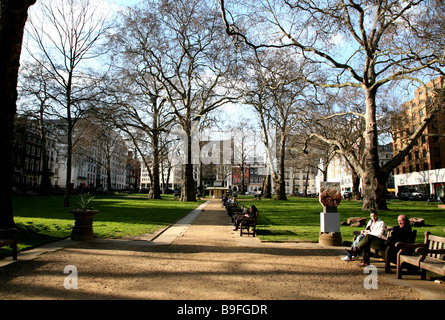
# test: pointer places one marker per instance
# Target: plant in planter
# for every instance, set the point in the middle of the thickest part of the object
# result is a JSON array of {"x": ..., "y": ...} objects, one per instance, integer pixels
[{"x": 83, "y": 215}]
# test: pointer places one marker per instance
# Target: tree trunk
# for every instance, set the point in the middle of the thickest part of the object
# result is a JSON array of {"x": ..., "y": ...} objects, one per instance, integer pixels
[
  {"x": 374, "y": 184},
  {"x": 13, "y": 16},
  {"x": 374, "y": 194},
  {"x": 267, "y": 192},
  {"x": 355, "y": 186},
  {"x": 69, "y": 160},
  {"x": 188, "y": 183},
  {"x": 109, "y": 177},
  {"x": 155, "y": 189},
  {"x": 279, "y": 182}
]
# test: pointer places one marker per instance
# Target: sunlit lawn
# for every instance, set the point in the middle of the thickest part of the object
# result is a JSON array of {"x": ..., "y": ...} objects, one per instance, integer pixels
[
  {"x": 43, "y": 219},
  {"x": 298, "y": 219}
]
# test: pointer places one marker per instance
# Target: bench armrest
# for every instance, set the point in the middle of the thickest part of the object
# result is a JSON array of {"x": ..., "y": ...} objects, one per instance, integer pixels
[
  {"x": 425, "y": 251},
  {"x": 404, "y": 245}
]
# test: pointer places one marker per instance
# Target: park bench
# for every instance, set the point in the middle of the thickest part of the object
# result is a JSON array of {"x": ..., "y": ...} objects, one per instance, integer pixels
[
  {"x": 248, "y": 225},
  {"x": 389, "y": 255},
  {"x": 430, "y": 256},
  {"x": 233, "y": 210},
  {"x": 8, "y": 237}
]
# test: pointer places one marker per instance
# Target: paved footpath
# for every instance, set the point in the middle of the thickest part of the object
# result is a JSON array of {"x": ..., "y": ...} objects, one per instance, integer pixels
[{"x": 200, "y": 258}]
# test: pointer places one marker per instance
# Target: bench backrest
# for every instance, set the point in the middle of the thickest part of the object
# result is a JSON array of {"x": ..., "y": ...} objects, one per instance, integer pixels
[{"x": 434, "y": 243}]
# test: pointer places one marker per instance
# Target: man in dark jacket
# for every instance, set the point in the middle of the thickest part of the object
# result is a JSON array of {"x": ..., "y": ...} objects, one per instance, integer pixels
[{"x": 402, "y": 232}]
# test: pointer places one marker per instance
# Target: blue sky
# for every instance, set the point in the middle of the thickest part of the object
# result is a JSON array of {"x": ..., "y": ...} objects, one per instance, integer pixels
[{"x": 124, "y": 2}]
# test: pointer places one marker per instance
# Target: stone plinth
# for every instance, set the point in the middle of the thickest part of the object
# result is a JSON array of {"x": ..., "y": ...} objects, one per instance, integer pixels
[
  {"x": 330, "y": 239},
  {"x": 330, "y": 198}
]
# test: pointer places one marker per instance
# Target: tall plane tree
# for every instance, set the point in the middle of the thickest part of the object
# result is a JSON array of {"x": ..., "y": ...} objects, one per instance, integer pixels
[
  {"x": 64, "y": 34},
  {"x": 13, "y": 16},
  {"x": 365, "y": 44},
  {"x": 277, "y": 89},
  {"x": 189, "y": 54}
]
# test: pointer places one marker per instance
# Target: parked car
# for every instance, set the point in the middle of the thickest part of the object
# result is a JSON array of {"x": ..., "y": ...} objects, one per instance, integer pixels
[
  {"x": 420, "y": 196},
  {"x": 406, "y": 196}
]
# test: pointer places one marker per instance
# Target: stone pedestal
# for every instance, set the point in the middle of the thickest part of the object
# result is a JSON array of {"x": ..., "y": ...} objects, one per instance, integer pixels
[
  {"x": 330, "y": 234},
  {"x": 329, "y": 222},
  {"x": 330, "y": 239},
  {"x": 330, "y": 198}
]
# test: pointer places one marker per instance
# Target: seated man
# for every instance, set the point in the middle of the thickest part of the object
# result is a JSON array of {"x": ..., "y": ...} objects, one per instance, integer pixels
[{"x": 400, "y": 233}]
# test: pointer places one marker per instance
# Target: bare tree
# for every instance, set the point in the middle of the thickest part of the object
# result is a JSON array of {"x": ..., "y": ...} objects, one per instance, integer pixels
[
  {"x": 63, "y": 35},
  {"x": 277, "y": 89},
  {"x": 34, "y": 102},
  {"x": 189, "y": 55},
  {"x": 140, "y": 96},
  {"x": 13, "y": 16},
  {"x": 364, "y": 44}
]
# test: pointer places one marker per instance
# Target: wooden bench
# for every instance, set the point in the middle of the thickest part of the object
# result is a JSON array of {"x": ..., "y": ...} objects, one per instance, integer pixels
[
  {"x": 233, "y": 211},
  {"x": 390, "y": 253},
  {"x": 8, "y": 237},
  {"x": 248, "y": 225},
  {"x": 430, "y": 256}
]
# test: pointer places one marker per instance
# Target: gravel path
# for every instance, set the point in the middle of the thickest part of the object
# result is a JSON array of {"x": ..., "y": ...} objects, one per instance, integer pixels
[{"x": 207, "y": 260}]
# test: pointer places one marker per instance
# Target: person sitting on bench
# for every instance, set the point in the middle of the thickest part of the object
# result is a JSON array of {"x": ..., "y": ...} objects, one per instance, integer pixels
[
  {"x": 252, "y": 213},
  {"x": 375, "y": 226}
]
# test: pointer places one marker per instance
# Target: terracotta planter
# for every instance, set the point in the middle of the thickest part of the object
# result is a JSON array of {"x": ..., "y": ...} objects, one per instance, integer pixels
[{"x": 83, "y": 227}]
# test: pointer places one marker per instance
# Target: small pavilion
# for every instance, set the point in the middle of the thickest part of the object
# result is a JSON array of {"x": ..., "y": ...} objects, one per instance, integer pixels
[{"x": 217, "y": 192}]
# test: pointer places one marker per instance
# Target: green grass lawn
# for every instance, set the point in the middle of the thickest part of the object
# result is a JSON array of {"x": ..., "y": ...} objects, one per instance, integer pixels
[
  {"x": 43, "y": 219},
  {"x": 298, "y": 219}
]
